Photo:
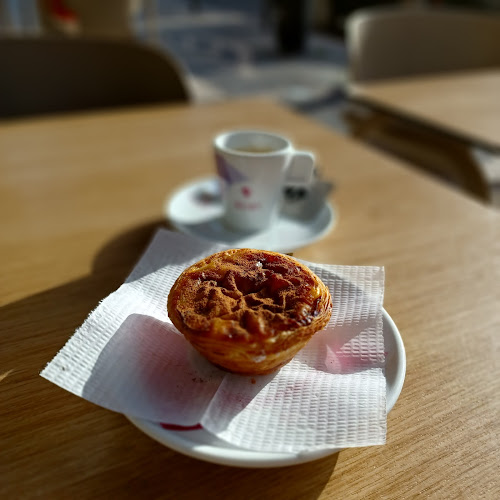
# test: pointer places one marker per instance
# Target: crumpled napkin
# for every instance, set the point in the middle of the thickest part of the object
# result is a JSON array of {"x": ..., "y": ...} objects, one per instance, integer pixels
[{"x": 128, "y": 357}]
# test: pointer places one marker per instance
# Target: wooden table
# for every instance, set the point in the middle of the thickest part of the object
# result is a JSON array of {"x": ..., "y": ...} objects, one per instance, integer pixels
[
  {"x": 81, "y": 195},
  {"x": 465, "y": 105}
]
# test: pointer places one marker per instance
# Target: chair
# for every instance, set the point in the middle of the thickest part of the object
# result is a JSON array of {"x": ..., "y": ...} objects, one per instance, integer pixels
[
  {"x": 392, "y": 42},
  {"x": 48, "y": 75},
  {"x": 385, "y": 43}
]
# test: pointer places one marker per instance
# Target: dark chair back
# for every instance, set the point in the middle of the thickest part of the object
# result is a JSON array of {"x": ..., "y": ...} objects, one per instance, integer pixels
[{"x": 46, "y": 75}]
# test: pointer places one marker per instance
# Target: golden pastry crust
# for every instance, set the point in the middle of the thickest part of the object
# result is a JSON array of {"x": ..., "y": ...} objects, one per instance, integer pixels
[{"x": 249, "y": 311}]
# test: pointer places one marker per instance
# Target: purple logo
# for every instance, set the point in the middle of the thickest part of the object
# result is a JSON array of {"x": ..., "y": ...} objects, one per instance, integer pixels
[{"x": 227, "y": 171}]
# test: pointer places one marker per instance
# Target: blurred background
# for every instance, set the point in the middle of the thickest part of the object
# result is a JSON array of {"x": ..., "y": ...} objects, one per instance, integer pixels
[{"x": 300, "y": 52}]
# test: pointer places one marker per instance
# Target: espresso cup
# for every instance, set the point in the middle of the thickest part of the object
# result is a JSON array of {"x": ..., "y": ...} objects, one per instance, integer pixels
[{"x": 253, "y": 167}]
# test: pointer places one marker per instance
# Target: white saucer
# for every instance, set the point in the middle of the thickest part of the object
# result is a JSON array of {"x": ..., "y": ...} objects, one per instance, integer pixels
[
  {"x": 203, "y": 445},
  {"x": 197, "y": 209}
]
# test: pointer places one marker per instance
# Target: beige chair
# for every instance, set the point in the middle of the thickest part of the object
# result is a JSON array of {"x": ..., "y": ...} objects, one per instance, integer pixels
[
  {"x": 47, "y": 75},
  {"x": 392, "y": 42},
  {"x": 386, "y": 43}
]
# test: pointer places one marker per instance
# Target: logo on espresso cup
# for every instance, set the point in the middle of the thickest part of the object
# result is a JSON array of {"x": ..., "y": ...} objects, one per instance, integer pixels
[{"x": 228, "y": 173}]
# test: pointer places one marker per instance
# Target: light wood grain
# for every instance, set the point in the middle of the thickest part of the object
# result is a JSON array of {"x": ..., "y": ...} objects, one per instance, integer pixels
[
  {"x": 79, "y": 198},
  {"x": 464, "y": 104}
]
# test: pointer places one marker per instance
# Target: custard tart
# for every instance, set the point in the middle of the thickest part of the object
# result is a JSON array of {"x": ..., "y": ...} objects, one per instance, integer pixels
[{"x": 249, "y": 311}]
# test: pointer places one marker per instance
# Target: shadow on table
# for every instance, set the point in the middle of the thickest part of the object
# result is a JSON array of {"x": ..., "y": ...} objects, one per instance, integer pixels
[
  {"x": 43, "y": 322},
  {"x": 47, "y": 319}
]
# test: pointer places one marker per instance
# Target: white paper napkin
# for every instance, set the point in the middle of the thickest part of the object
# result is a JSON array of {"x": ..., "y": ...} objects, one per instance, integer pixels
[{"x": 128, "y": 357}]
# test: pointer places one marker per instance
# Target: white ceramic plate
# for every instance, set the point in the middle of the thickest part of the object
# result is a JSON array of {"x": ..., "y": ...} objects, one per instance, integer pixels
[
  {"x": 196, "y": 209},
  {"x": 203, "y": 445}
]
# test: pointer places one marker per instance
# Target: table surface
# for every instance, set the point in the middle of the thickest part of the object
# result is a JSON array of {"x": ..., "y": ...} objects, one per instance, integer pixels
[
  {"x": 80, "y": 197},
  {"x": 465, "y": 104}
]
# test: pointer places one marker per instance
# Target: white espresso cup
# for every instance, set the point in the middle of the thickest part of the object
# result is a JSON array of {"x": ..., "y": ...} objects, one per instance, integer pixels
[{"x": 253, "y": 167}]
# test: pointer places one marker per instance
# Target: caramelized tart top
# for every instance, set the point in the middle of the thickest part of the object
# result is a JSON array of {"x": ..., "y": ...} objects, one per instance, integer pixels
[{"x": 247, "y": 295}]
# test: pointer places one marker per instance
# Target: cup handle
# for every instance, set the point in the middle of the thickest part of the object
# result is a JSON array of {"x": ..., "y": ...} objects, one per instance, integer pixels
[{"x": 300, "y": 171}]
